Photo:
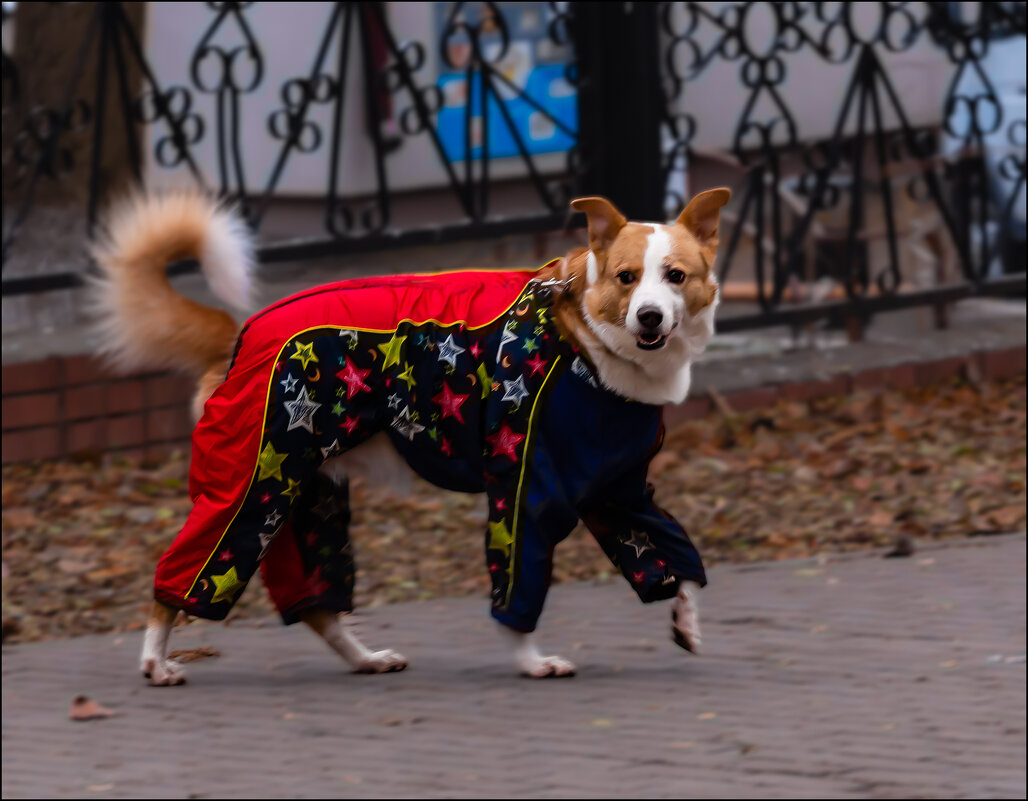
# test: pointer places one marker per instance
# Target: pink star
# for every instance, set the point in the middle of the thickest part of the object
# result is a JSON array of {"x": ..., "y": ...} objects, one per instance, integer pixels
[
  {"x": 266, "y": 497},
  {"x": 350, "y": 424},
  {"x": 225, "y": 556},
  {"x": 451, "y": 402},
  {"x": 445, "y": 447},
  {"x": 475, "y": 349},
  {"x": 504, "y": 442},
  {"x": 312, "y": 539},
  {"x": 493, "y": 568},
  {"x": 501, "y": 504},
  {"x": 638, "y": 577},
  {"x": 354, "y": 379},
  {"x": 538, "y": 365}
]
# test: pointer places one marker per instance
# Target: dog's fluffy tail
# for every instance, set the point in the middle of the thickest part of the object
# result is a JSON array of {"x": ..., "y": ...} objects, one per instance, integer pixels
[{"x": 141, "y": 320}]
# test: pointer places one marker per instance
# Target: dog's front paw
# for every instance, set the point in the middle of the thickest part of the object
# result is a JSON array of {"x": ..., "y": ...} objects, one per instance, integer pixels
[
  {"x": 546, "y": 667},
  {"x": 381, "y": 662},
  {"x": 163, "y": 672},
  {"x": 685, "y": 622}
]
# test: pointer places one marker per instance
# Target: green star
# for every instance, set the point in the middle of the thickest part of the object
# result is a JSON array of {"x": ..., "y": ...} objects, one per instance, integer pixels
[
  {"x": 392, "y": 350},
  {"x": 433, "y": 432},
  {"x": 269, "y": 463},
  {"x": 408, "y": 376},
  {"x": 338, "y": 408},
  {"x": 484, "y": 379},
  {"x": 529, "y": 345},
  {"x": 292, "y": 492},
  {"x": 500, "y": 538},
  {"x": 304, "y": 354},
  {"x": 228, "y": 585}
]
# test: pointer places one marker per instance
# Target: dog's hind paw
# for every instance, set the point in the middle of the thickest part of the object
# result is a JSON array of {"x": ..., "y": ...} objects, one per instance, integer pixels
[
  {"x": 548, "y": 667},
  {"x": 163, "y": 672},
  {"x": 381, "y": 662}
]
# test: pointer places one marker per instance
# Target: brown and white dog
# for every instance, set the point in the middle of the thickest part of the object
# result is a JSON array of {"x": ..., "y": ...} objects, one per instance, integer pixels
[{"x": 639, "y": 300}]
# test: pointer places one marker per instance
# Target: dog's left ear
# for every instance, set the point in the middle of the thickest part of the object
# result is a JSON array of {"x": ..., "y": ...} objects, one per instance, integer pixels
[{"x": 702, "y": 215}]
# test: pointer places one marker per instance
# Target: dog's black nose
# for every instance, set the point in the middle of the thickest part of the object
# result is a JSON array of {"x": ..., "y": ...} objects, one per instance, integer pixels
[{"x": 650, "y": 317}]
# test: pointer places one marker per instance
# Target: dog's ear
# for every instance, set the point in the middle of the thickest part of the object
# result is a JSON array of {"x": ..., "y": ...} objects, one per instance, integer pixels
[
  {"x": 700, "y": 218},
  {"x": 604, "y": 220}
]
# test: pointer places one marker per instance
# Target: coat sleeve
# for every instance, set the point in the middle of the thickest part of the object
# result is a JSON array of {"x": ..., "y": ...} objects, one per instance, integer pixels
[{"x": 649, "y": 546}]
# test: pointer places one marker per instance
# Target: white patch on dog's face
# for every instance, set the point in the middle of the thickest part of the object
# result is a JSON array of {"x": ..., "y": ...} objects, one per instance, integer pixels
[{"x": 654, "y": 295}]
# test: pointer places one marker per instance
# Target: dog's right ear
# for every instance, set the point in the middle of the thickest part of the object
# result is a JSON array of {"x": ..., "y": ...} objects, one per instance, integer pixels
[{"x": 604, "y": 220}]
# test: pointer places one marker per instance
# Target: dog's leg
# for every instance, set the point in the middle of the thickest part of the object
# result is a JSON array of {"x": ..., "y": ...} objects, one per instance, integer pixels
[
  {"x": 532, "y": 663},
  {"x": 685, "y": 618},
  {"x": 154, "y": 663},
  {"x": 334, "y": 631}
]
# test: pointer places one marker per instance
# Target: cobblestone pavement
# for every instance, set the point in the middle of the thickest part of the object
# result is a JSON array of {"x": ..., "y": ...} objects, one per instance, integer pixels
[{"x": 855, "y": 677}]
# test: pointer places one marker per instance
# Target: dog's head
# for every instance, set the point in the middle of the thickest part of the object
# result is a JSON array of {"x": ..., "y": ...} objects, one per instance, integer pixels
[{"x": 648, "y": 290}]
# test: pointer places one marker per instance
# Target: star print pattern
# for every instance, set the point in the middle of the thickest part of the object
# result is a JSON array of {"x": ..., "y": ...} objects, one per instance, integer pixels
[{"x": 454, "y": 399}]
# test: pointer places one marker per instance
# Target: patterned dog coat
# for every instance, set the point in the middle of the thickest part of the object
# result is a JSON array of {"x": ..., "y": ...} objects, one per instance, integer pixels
[{"x": 471, "y": 379}]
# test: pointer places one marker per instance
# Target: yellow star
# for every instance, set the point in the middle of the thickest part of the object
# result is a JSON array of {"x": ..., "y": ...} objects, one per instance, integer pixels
[
  {"x": 392, "y": 349},
  {"x": 270, "y": 463},
  {"x": 292, "y": 492},
  {"x": 304, "y": 354},
  {"x": 500, "y": 538},
  {"x": 408, "y": 376},
  {"x": 485, "y": 380},
  {"x": 228, "y": 585}
]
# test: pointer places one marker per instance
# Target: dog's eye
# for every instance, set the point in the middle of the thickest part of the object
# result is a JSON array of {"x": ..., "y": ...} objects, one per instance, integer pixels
[
  {"x": 675, "y": 276},
  {"x": 626, "y": 277}
]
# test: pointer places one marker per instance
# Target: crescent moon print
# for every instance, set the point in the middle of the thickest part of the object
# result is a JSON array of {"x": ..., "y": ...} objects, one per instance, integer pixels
[
  {"x": 204, "y": 584},
  {"x": 317, "y": 375},
  {"x": 507, "y": 362},
  {"x": 374, "y": 356},
  {"x": 473, "y": 379},
  {"x": 523, "y": 309}
]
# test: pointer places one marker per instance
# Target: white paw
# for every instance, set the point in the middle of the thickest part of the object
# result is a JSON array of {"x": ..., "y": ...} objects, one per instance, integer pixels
[
  {"x": 381, "y": 662},
  {"x": 163, "y": 672},
  {"x": 685, "y": 623},
  {"x": 544, "y": 667}
]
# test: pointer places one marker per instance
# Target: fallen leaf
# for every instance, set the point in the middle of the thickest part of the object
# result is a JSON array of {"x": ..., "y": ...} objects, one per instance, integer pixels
[
  {"x": 84, "y": 708},
  {"x": 193, "y": 654}
]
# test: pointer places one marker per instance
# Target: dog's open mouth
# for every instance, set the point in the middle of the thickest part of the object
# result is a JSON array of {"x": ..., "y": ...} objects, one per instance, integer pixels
[{"x": 652, "y": 341}]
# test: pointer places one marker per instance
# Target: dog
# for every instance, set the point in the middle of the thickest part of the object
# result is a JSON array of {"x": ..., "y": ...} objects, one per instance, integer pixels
[{"x": 541, "y": 388}]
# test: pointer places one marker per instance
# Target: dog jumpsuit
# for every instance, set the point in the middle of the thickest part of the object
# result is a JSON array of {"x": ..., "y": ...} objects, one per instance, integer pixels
[{"x": 469, "y": 376}]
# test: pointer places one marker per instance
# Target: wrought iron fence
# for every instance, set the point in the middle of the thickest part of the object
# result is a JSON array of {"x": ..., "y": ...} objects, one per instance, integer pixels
[{"x": 626, "y": 128}]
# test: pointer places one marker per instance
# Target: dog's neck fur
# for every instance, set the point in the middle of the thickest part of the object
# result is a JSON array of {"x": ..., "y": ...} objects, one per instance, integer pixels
[{"x": 662, "y": 377}]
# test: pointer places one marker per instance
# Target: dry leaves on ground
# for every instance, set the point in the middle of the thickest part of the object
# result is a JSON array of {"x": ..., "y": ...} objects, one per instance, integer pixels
[{"x": 81, "y": 539}]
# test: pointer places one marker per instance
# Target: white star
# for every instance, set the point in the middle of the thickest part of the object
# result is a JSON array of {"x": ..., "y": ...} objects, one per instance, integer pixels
[
  {"x": 506, "y": 338},
  {"x": 348, "y": 333},
  {"x": 301, "y": 412},
  {"x": 405, "y": 425},
  {"x": 331, "y": 450},
  {"x": 449, "y": 351},
  {"x": 515, "y": 391},
  {"x": 266, "y": 540},
  {"x": 578, "y": 368},
  {"x": 289, "y": 383},
  {"x": 639, "y": 541},
  {"x": 394, "y": 401},
  {"x": 272, "y": 519}
]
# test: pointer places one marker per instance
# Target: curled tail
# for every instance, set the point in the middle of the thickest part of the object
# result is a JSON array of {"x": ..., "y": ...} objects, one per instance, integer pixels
[{"x": 141, "y": 320}]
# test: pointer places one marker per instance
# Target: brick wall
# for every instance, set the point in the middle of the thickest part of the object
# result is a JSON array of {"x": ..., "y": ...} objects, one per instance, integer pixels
[
  {"x": 62, "y": 407},
  {"x": 68, "y": 406}
]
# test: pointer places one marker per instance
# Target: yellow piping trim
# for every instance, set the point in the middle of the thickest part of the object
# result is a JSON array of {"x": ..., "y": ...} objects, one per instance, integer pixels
[{"x": 521, "y": 480}]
